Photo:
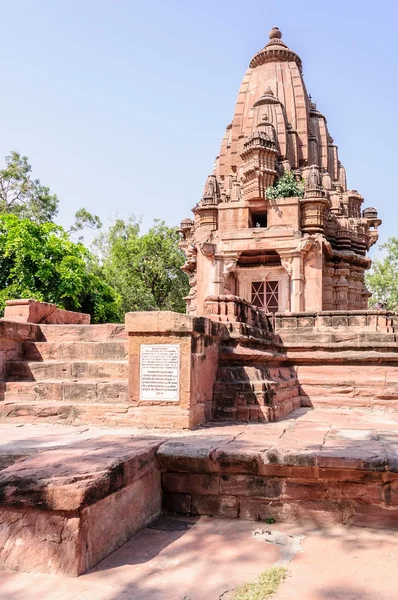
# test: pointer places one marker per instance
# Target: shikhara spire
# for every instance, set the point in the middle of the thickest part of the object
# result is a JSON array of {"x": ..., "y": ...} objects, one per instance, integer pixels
[{"x": 315, "y": 247}]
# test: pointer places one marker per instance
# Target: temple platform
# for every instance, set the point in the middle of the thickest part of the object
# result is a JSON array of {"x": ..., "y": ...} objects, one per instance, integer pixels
[{"x": 72, "y": 495}]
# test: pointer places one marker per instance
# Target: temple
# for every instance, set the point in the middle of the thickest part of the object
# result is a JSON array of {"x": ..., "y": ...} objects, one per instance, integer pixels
[{"x": 307, "y": 252}]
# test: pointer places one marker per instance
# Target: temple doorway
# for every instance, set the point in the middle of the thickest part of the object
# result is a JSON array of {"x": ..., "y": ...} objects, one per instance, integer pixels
[{"x": 265, "y": 295}]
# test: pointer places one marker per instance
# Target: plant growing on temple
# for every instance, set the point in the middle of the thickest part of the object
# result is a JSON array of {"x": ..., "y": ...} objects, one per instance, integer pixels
[
  {"x": 39, "y": 261},
  {"x": 143, "y": 268},
  {"x": 382, "y": 280},
  {"x": 286, "y": 187}
]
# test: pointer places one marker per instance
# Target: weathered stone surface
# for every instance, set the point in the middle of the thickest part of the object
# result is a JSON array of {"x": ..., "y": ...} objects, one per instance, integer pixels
[
  {"x": 40, "y": 541},
  {"x": 68, "y": 479},
  {"x": 32, "y": 311},
  {"x": 191, "y": 483},
  {"x": 191, "y": 453},
  {"x": 178, "y": 503},
  {"x": 64, "y": 509},
  {"x": 215, "y": 506},
  {"x": 109, "y": 523}
]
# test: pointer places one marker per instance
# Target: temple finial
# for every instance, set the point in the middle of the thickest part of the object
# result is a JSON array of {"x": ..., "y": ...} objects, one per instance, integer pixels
[{"x": 275, "y": 33}]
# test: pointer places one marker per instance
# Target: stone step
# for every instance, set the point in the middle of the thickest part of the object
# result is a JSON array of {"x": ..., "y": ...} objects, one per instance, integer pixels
[
  {"x": 41, "y": 351},
  {"x": 63, "y": 370},
  {"x": 118, "y": 414},
  {"x": 257, "y": 411},
  {"x": 83, "y": 333},
  {"x": 250, "y": 373},
  {"x": 67, "y": 391},
  {"x": 253, "y": 386},
  {"x": 349, "y": 402},
  {"x": 66, "y": 413}
]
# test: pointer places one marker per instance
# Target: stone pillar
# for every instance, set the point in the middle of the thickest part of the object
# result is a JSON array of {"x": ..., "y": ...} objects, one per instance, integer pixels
[
  {"x": 297, "y": 283},
  {"x": 173, "y": 362},
  {"x": 342, "y": 286},
  {"x": 351, "y": 292},
  {"x": 218, "y": 280},
  {"x": 328, "y": 287}
]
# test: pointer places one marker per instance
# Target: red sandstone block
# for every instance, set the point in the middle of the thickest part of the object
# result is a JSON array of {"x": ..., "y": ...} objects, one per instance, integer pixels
[
  {"x": 342, "y": 490},
  {"x": 40, "y": 540},
  {"x": 321, "y": 513},
  {"x": 75, "y": 350},
  {"x": 248, "y": 485},
  {"x": 260, "y": 509},
  {"x": 32, "y": 311},
  {"x": 99, "y": 369},
  {"x": 243, "y": 414},
  {"x": 375, "y": 516},
  {"x": 353, "y": 475},
  {"x": 238, "y": 456},
  {"x": 82, "y": 333},
  {"x": 35, "y": 371},
  {"x": 191, "y": 483},
  {"x": 34, "y": 390},
  {"x": 288, "y": 471},
  {"x": 339, "y": 452},
  {"x": 178, "y": 503},
  {"x": 391, "y": 494},
  {"x": 30, "y": 413},
  {"x": 215, "y": 506},
  {"x": 109, "y": 523},
  {"x": 191, "y": 453},
  {"x": 79, "y": 391},
  {"x": 115, "y": 391}
]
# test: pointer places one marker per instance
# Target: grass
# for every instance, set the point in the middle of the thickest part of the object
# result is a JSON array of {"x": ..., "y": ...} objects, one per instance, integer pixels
[{"x": 263, "y": 587}]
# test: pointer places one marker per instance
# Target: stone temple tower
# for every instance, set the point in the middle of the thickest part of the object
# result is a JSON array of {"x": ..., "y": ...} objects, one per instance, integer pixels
[{"x": 289, "y": 254}]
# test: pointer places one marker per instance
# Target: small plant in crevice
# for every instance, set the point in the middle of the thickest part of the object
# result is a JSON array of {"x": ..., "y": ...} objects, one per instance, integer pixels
[{"x": 286, "y": 187}]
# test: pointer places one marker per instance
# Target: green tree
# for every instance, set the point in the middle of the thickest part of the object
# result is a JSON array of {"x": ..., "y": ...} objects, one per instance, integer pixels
[
  {"x": 22, "y": 195},
  {"x": 85, "y": 219},
  {"x": 144, "y": 269},
  {"x": 25, "y": 197},
  {"x": 286, "y": 187},
  {"x": 38, "y": 260},
  {"x": 382, "y": 280}
]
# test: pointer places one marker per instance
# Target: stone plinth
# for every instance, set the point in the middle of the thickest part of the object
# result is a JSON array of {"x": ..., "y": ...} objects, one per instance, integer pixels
[
  {"x": 317, "y": 467},
  {"x": 196, "y": 342},
  {"x": 64, "y": 510},
  {"x": 32, "y": 311}
]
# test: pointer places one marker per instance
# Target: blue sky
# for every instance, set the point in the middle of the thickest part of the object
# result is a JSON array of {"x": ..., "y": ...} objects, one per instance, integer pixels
[{"x": 121, "y": 105}]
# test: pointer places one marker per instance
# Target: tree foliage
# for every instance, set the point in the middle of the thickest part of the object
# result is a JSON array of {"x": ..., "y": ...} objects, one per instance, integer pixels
[
  {"x": 22, "y": 195},
  {"x": 286, "y": 187},
  {"x": 83, "y": 219},
  {"x": 382, "y": 280},
  {"x": 38, "y": 260},
  {"x": 27, "y": 198},
  {"x": 144, "y": 269}
]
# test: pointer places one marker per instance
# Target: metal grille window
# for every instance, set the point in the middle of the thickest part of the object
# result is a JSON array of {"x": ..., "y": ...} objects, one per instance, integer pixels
[
  {"x": 272, "y": 296},
  {"x": 265, "y": 295},
  {"x": 258, "y": 294}
]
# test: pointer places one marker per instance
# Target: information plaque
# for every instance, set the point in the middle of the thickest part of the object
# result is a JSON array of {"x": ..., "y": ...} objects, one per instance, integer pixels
[{"x": 159, "y": 372}]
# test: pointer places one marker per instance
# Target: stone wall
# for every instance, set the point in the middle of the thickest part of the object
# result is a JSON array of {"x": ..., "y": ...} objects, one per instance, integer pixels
[
  {"x": 32, "y": 311},
  {"x": 343, "y": 359},
  {"x": 367, "y": 320},
  {"x": 12, "y": 337},
  {"x": 198, "y": 342},
  {"x": 233, "y": 309}
]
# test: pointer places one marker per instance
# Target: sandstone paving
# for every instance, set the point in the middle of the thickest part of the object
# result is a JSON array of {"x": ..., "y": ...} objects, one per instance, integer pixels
[
  {"x": 205, "y": 558},
  {"x": 314, "y": 467}
]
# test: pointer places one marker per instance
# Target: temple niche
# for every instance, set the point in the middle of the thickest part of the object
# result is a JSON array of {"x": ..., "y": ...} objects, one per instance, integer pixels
[{"x": 287, "y": 254}]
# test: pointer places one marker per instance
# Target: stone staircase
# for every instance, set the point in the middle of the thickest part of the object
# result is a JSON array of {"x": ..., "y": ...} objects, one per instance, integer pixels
[
  {"x": 254, "y": 393},
  {"x": 74, "y": 374}
]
